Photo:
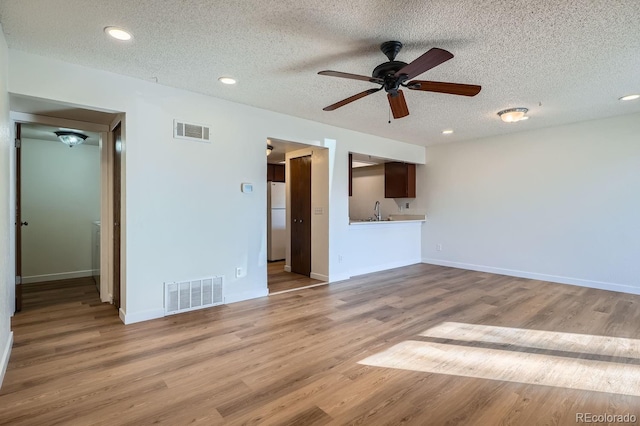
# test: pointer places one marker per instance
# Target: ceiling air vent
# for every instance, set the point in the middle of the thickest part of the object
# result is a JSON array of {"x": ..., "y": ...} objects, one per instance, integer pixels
[{"x": 191, "y": 131}]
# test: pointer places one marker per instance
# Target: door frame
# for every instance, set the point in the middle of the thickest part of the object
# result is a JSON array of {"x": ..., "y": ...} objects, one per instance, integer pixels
[
  {"x": 320, "y": 198},
  {"x": 106, "y": 172}
]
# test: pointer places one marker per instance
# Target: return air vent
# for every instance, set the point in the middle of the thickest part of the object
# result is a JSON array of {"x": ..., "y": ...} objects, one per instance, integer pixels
[
  {"x": 191, "y": 295},
  {"x": 191, "y": 131}
]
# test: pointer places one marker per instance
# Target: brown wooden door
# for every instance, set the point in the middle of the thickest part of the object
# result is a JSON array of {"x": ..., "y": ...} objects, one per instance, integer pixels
[
  {"x": 19, "y": 223},
  {"x": 300, "y": 187},
  {"x": 117, "y": 149}
]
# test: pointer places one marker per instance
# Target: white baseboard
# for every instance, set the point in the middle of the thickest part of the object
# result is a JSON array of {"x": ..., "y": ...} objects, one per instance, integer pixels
[
  {"x": 287, "y": 268},
  {"x": 537, "y": 276},
  {"x": 383, "y": 267},
  {"x": 319, "y": 276},
  {"x": 6, "y": 353},
  {"x": 140, "y": 316},
  {"x": 60, "y": 276},
  {"x": 338, "y": 277},
  {"x": 245, "y": 295}
]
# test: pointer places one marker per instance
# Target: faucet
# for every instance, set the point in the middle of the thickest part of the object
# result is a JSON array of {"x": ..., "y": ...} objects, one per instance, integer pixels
[{"x": 376, "y": 208}]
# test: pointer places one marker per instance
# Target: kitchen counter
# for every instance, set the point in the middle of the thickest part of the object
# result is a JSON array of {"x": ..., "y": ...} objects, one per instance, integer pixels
[{"x": 407, "y": 218}]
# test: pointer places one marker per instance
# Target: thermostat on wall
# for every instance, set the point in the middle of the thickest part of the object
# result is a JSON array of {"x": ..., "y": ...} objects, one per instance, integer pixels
[{"x": 247, "y": 187}]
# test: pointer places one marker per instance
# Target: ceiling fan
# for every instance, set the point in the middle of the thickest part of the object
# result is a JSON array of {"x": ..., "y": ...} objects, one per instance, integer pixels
[{"x": 394, "y": 74}]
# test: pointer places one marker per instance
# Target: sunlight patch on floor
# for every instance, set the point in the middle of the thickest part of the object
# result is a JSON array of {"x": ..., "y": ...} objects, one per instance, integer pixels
[
  {"x": 540, "y": 339},
  {"x": 572, "y": 360}
]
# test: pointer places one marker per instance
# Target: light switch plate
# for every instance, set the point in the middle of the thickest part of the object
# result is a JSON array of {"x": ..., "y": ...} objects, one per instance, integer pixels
[{"x": 247, "y": 187}]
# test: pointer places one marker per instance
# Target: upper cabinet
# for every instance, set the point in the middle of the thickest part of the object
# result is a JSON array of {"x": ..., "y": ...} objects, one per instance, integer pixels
[
  {"x": 399, "y": 180},
  {"x": 275, "y": 172}
]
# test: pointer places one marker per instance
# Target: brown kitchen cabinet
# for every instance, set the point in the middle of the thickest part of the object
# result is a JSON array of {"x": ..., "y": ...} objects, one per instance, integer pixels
[
  {"x": 275, "y": 172},
  {"x": 399, "y": 180}
]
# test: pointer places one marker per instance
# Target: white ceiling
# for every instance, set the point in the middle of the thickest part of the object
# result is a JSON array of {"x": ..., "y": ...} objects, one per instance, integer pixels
[{"x": 566, "y": 61}]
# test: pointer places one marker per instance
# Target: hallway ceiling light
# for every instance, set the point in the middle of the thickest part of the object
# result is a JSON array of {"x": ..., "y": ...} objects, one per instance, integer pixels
[
  {"x": 71, "y": 138},
  {"x": 447, "y": 132},
  {"x": 269, "y": 149},
  {"x": 512, "y": 115},
  {"x": 118, "y": 33}
]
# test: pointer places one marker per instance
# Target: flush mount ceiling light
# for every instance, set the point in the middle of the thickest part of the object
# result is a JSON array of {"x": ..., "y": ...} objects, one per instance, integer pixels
[
  {"x": 71, "y": 138},
  {"x": 269, "y": 149},
  {"x": 629, "y": 97},
  {"x": 447, "y": 132},
  {"x": 512, "y": 115},
  {"x": 118, "y": 33},
  {"x": 227, "y": 80}
]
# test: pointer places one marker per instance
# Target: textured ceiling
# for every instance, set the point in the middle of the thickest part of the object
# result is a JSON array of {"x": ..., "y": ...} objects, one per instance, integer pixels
[{"x": 566, "y": 61}]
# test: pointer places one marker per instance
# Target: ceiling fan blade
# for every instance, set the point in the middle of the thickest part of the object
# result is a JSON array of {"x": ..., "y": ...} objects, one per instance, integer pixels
[
  {"x": 432, "y": 58},
  {"x": 398, "y": 105},
  {"x": 440, "y": 87},
  {"x": 351, "y": 99},
  {"x": 351, "y": 76}
]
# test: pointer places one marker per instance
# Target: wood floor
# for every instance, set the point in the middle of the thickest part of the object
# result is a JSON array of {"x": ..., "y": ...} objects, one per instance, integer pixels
[
  {"x": 423, "y": 345},
  {"x": 279, "y": 280}
]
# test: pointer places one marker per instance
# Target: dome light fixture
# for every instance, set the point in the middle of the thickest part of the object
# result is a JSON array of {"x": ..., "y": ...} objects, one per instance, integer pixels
[
  {"x": 629, "y": 97},
  {"x": 227, "y": 80},
  {"x": 447, "y": 132},
  {"x": 512, "y": 115},
  {"x": 269, "y": 149},
  {"x": 71, "y": 139},
  {"x": 118, "y": 33}
]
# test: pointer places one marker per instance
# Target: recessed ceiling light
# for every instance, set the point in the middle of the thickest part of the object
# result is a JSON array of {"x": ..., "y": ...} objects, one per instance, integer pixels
[
  {"x": 227, "y": 80},
  {"x": 447, "y": 132},
  {"x": 629, "y": 97},
  {"x": 118, "y": 33}
]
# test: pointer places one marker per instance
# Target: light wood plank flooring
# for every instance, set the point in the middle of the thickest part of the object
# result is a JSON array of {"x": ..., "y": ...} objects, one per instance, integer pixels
[
  {"x": 423, "y": 345},
  {"x": 279, "y": 280}
]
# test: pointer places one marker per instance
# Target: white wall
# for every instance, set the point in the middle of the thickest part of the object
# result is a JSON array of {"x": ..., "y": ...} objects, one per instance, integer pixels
[
  {"x": 368, "y": 187},
  {"x": 559, "y": 204},
  {"x": 60, "y": 200},
  {"x": 185, "y": 215},
  {"x": 7, "y": 260}
]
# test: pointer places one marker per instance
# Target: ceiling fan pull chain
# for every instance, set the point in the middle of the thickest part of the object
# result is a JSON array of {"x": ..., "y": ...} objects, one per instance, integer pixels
[{"x": 389, "y": 115}]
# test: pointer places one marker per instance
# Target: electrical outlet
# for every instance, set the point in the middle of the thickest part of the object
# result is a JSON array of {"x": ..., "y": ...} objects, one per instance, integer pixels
[
  {"x": 238, "y": 272},
  {"x": 439, "y": 247},
  {"x": 406, "y": 206},
  {"x": 339, "y": 258}
]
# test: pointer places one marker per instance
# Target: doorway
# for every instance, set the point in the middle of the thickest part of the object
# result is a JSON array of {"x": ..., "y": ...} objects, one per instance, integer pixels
[
  {"x": 298, "y": 265},
  {"x": 61, "y": 245}
]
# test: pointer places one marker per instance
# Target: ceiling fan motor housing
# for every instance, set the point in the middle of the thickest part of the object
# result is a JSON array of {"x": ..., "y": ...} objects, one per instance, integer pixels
[{"x": 387, "y": 71}]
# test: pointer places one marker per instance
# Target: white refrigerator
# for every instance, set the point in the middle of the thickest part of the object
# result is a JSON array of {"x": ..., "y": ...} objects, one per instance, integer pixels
[{"x": 276, "y": 221}]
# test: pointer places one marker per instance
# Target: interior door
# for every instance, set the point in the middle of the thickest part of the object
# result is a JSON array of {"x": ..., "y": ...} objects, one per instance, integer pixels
[
  {"x": 300, "y": 187},
  {"x": 19, "y": 224},
  {"x": 117, "y": 149}
]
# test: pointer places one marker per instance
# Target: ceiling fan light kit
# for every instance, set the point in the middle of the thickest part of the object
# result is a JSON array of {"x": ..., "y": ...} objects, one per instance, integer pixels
[
  {"x": 513, "y": 115},
  {"x": 394, "y": 74}
]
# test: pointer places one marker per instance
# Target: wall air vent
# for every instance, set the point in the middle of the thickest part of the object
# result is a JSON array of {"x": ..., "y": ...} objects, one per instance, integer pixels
[
  {"x": 191, "y": 131},
  {"x": 191, "y": 295}
]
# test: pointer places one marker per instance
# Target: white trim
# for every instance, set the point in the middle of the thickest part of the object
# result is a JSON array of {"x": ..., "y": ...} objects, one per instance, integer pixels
[
  {"x": 287, "y": 268},
  {"x": 318, "y": 276},
  {"x": 59, "y": 276},
  {"x": 4, "y": 361},
  {"x": 140, "y": 316},
  {"x": 23, "y": 117},
  {"x": 383, "y": 267},
  {"x": 537, "y": 276},
  {"x": 245, "y": 295},
  {"x": 337, "y": 278}
]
